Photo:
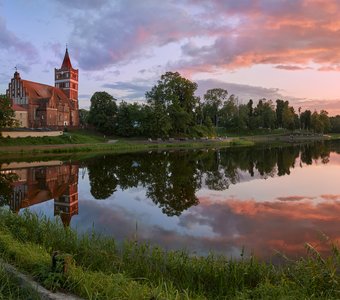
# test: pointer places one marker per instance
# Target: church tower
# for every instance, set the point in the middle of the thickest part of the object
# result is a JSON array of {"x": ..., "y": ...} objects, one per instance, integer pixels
[{"x": 66, "y": 78}]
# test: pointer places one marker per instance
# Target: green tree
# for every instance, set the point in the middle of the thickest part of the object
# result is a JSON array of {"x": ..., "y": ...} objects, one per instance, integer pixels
[
  {"x": 305, "y": 120},
  {"x": 214, "y": 98},
  {"x": 325, "y": 121},
  {"x": 7, "y": 115},
  {"x": 127, "y": 119},
  {"x": 335, "y": 123},
  {"x": 280, "y": 104},
  {"x": 268, "y": 115},
  {"x": 103, "y": 112},
  {"x": 316, "y": 123},
  {"x": 174, "y": 96},
  {"x": 229, "y": 113},
  {"x": 288, "y": 116},
  {"x": 83, "y": 117}
]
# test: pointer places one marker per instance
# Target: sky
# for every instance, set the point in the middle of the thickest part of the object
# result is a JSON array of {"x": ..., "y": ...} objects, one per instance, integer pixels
[{"x": 287, "y": 49}]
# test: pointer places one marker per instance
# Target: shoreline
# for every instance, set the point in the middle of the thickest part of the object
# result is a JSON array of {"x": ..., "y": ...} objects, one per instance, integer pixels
[{"x": 130, "y": 146}]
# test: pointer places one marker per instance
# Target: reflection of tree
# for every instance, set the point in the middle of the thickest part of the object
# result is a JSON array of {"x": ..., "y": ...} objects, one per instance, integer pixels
[
  {"x": 172, "y": 179},
  {"x": 173, "y": 183},
  {"x": 6, "y": 191},
  {"x": 102, "y": 177}
]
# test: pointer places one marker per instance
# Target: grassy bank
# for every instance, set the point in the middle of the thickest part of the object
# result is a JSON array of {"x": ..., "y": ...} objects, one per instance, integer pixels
[
  {"x": 82, "y": 142},
  {"x": 73, "y": 137},
  {"x": 101, "y": 269},
  {"x": 10, "y": 288},
  {"x": 121, "y": 146}
]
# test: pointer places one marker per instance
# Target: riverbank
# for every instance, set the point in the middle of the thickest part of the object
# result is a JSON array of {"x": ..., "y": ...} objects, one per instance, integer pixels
[
  {"x": 121, "y": 146},
  {"x": 95, "y": 267},
  {"x": 82, "y": 142}
]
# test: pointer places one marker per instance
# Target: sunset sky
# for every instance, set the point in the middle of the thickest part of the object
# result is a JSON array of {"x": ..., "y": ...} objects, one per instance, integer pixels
[{"x": 288, "y": 49}]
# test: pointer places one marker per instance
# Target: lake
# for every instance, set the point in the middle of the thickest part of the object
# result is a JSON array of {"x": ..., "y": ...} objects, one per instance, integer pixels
[{"x": 259, "y": 200}]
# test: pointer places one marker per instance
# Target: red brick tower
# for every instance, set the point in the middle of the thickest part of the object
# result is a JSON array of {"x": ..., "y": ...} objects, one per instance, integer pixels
[{"x": 66, "y": 78}]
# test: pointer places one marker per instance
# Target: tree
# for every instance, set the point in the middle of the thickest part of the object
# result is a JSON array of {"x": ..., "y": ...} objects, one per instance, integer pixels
[
  {"x": 335, "y": 123},
  {"x": 305, "y": 119},
  {"x": 83, "y": 117},
  {"x": 175, "y": 96},
  {"x": 268, "y": 115},
  {"x": 288, "y": 116},
  {"x": 215, "y": 98},
  {"x": 7, "y": 115},
  {"x": 280, "y": 104},
  {"x": 325, "y": 121},
  {"x": 103, "y": 112},
  {"x": 229, "y": 113},
  {"x": 316, "y": 123}
]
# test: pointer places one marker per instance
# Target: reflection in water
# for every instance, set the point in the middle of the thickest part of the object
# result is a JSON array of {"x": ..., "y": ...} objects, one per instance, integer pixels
[
  {"x": 172, "y": 179},
  {"x": 28, "y": 184},
  {"x": 216, "y": 200}
]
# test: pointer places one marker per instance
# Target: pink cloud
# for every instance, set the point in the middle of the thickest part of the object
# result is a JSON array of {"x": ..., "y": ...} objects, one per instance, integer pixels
[{"x": 285, "y": 33}]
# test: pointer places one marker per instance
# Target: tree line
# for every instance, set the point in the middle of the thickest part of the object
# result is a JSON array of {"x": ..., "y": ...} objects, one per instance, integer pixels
[{"x": 173, "y": 109}]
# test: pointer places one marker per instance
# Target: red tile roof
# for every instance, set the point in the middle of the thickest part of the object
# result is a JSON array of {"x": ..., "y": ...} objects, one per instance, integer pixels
[{"x": 39, "y": 92}]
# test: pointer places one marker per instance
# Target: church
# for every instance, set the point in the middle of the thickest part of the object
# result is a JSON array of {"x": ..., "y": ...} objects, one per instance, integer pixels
[{"x": 38, "y": 105}]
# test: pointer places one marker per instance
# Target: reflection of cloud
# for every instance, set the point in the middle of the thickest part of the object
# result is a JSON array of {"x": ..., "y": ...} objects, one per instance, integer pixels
[
  {"x": 268, "y": 225},
  {"x": 330, "y": 197},
  {"x": 223, "y": 226},
  {"x": 294, "y": 198}
]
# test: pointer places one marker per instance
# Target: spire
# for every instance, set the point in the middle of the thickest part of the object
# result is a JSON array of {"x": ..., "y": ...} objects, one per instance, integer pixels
[
  {"x": 16, "y": 73},
  {"x": 66, "y": 62}
]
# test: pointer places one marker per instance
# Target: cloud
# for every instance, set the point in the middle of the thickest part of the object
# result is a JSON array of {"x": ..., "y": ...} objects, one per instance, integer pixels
[
  {"x": 10, "y": 43},
  {"x": 330, "y": 105},
  {"x": 83, "y": 4},
  {"x": 287, "y": 33},
  {"x": 242, "y": 91},
  {"x": 291, "y": 67},
  {"x": 128, "y": 29},
  {"x": 132, "y": 90}
]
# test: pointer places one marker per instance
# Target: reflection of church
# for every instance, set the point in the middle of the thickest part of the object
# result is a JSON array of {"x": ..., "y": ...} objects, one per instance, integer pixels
[{"x": 41, "y": 183}]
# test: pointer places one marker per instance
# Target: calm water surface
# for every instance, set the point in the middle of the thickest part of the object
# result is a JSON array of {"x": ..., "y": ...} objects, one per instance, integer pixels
[{"x": 262, "y": 199}]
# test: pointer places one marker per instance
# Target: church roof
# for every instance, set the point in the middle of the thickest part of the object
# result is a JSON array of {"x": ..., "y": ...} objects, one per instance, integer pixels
[
  {"x": 17, "y": 107},
  {"x": 39, "y": 92},
  {"x": 67, "y": 61}
]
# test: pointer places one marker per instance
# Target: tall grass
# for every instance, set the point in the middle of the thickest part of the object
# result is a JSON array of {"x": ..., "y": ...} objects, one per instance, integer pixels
[
  {"x": 10, "y": 288},
  {"x": 153, "y": 271}
]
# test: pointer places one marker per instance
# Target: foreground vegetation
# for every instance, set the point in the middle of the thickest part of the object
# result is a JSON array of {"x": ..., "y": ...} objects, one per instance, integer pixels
[
  {"x": 10, "y": 289},
  {"x": 101, "y": 269}
]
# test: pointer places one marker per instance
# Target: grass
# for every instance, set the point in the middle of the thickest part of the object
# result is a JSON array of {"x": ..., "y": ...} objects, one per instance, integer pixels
[
  {"x": 101, "y": 269},
  {"x": 10, "y": 288},
  {"x": 122, "y": 146}
]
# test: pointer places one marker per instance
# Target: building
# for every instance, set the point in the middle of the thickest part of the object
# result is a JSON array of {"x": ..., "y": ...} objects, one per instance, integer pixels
[
  {"x": 38, "y": 105},
  {"x": 39, "y": 184}
]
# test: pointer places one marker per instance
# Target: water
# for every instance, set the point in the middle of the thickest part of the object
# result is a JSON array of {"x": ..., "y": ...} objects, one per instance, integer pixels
[{"x": 264, "y": 199}]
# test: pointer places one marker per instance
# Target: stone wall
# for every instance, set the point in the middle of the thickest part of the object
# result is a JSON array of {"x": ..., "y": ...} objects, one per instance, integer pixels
[{"x": 22, "y": 134}]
